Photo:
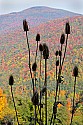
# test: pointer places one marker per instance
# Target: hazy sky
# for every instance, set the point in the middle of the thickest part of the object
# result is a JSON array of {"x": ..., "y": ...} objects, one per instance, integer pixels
[{"x": 7, "y": 6}]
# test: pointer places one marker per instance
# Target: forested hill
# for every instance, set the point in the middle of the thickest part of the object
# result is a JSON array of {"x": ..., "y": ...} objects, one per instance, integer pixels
[{"x": 34, "y": 15}]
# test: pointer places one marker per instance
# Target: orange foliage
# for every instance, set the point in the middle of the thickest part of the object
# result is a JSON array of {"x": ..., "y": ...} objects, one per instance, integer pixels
[
  {"x": 59, "y": 105},
  {"x": 62, "y": 92},
  {"x": 69, "y": 104}
]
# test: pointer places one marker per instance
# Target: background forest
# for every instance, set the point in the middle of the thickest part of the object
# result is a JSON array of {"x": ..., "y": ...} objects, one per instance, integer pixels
[{"x": 14, "y": 56}]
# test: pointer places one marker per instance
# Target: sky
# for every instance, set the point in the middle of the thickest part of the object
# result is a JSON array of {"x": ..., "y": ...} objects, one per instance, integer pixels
[{"x": 8, "y": 6}]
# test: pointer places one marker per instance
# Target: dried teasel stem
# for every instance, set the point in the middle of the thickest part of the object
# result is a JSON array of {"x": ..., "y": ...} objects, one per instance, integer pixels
[
  {"x": 73, "y": 102},
  {"x": 41, "y": 50},
  {"x": 11, "y": 81},
  {"x": 62, "y": 40},
  {"x": 46, "y": 91},
  {"x": 14, "y": 106},
  {"x": 67, "y": 31},
  {"x": 75, "y": 74},
  {"x": 37, "y": 39},
  {"x": 28, "y": 48},
  {"x": 26, "y": 29},
  {"x": 45, "y": 56},
  {"x": 64, "y": 51}
]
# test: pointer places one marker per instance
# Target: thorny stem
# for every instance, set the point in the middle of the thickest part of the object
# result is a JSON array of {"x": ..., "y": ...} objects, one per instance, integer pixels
[
  {"x": 59, "y": 74},
  {"x": 14, "y": 105},
  {"x": 64, "y": 51},
  {"x": 60, "y": 71},
  {"x": 36, "y": 51},
  {"x": 46, "y": 91},
  {"x": 29, "y": 61},
  {"x": 35, "y": 114},
  {"x": 40, "y": 85},
  {"x": 61, "y": 55},
  {"x": 35, "y": 105},
  {"x": 28, "y": 47},
  {"x": 73, "y": 102}
]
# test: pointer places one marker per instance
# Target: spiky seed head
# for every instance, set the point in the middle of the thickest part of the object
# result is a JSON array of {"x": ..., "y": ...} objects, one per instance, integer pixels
[
  {"x": 60, "y": 53},
  {"x": 34, "y": 66},
  {"x": 35, "y": 98},
  {"x": 67, "y": 28},
  {"x": 62, "y": 39},
  {"x": 56, "y": 53},
  {"x": 40, "y": 47},
  {"x": 11, "y": 80},
  {"x": 43, "y": 91},
  {"x": 25, "y": 25},
  {"x": 75, "y": 71},
  {"x": 45, "y": 51},
  {"x": 38, "y": 37},
  {"x": 57, "y": 63}
]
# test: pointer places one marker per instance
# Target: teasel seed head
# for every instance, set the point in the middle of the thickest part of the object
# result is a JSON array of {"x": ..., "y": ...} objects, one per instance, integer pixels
[
  {"x": 62, "y": 39},
  {"x": 34, "y": 66},
  {"x": 40, "y": 47},
  {"x": 11, "y": 80},
  {"x": 56, "y": 53},
  {"x": 75, "y": 71},
  {"x": 60, "y": 53},
  {"x": 35, "y": 98},
  {"x": 25, "y": 25},
  {"x": 57, "y": 63},
  {"x": 45, "y": 51},
  {"x": 38, "y": 37},
  {"x": 43, "y": 91},
  {"x": 67, "y": 28}
]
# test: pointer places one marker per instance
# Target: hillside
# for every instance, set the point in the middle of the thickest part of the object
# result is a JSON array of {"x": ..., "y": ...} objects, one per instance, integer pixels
[
  {"x": 14, "y": 60},
  {"x": 14, "y": 54},
  {"x": 34, "y": 15}
]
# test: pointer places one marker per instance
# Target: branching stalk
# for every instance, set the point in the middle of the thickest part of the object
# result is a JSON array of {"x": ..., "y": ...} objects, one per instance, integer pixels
[{"x": 14, "y": 106}]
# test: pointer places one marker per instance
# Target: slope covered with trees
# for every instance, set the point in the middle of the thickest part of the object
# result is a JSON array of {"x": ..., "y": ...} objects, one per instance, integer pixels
[{"x": 14, "y": 60}]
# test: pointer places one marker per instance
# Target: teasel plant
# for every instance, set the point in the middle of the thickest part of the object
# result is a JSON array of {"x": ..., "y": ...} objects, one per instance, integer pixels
[
  {"x": 11, "y": 82},
  {"x": 37, "y": 40},
  {"x": 45, "y": 57},
  {"x": 35, "y": 97},
  {"x": 26, "y": 30},
  {"x": 75, "y": 74},
  {"x": 41, "y": 90},
  {"x": 33, "y": 69},
  {"x": 59, "y": 65}
]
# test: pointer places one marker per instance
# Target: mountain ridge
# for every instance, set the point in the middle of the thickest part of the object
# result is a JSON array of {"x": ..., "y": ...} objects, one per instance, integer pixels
[
  {"x": 34, "y": 15},
  {"x": 39, "y": 8}
]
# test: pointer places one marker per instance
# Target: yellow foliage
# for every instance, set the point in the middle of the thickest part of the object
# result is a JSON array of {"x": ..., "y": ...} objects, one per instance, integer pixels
[
  {"x": 3, "y": 102},
  {"x": 4, "y": 110}
]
